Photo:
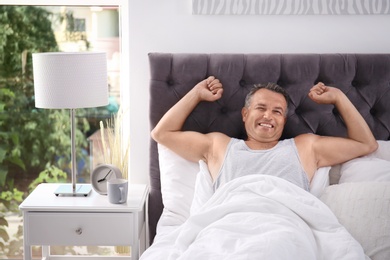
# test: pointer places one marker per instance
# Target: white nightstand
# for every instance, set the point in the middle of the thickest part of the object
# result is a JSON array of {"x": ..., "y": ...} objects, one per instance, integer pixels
[{"x": 83, "y": 221}]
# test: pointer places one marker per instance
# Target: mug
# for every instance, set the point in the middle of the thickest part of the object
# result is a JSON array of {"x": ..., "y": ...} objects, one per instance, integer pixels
[{"x": 117, "y": 190}]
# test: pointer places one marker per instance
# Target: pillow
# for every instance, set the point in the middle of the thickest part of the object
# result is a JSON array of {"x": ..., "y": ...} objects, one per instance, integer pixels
[
  {"x": 178, "y": 177},
  {"x": 203, "y": 187},
  {"x": 364, "y": 209},
  {"x": 365, "y": 169},
  {"x": 383, "y": 152},
  {"x": 320, "y": 181}
]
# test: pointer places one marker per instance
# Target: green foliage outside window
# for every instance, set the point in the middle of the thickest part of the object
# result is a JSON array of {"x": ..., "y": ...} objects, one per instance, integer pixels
[{"x": 34, "y": 143}]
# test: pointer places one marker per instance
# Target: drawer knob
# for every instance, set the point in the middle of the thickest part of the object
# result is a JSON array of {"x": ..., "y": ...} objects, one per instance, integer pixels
[{"x": 79, "y": 231}]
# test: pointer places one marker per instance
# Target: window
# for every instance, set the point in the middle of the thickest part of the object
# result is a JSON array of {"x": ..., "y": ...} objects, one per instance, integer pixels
[
  {"x": 99, "y": 25},
  {"x": 79, "y": 25}
]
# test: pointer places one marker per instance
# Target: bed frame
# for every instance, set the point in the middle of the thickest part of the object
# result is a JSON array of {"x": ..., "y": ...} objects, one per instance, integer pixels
[{"x": 364, "y": 78}]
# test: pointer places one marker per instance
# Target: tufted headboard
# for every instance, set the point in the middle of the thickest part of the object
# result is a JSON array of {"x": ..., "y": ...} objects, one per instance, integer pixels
[{"x": 365, "y": 78}]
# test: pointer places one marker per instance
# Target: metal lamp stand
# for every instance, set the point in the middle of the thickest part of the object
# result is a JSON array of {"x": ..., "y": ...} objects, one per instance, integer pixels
[{"x": 73, "y": 190}]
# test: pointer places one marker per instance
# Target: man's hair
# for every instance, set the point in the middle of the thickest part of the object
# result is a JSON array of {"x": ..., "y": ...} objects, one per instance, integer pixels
[{"x": 270, "y": 86}]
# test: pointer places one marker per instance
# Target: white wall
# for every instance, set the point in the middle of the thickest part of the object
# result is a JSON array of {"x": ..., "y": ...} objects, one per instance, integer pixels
[{"x": 169, "y": 26}]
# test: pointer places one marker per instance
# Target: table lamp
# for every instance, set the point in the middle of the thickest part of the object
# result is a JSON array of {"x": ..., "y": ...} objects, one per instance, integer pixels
[{"x": 70, "y": 80}]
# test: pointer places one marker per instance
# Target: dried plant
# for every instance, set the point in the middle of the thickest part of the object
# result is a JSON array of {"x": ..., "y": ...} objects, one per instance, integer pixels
[{"x": 115, "y": 150}]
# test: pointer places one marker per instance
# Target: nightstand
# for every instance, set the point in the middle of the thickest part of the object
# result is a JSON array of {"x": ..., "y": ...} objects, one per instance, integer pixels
[{"x": 83, "y": 221}]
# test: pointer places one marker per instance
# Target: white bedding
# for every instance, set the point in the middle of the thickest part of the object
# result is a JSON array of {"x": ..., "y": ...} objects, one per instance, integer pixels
[{"x": 258, "y": 217}]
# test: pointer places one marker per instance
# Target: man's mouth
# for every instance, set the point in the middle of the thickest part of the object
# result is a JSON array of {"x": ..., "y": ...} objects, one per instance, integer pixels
[{"x": 266, "y": 125}]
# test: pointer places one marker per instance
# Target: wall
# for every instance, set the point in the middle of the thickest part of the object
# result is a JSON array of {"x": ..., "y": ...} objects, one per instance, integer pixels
[{"x": 169, "y": 26}]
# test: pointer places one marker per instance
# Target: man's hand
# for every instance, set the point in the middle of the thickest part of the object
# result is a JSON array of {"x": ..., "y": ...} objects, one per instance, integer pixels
[
  {"x": 210, "y": 89},
  {"x": 322, "y": 94}
]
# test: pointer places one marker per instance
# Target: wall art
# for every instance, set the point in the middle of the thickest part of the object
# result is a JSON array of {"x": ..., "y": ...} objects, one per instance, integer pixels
[{"x": 290, "y": 7}]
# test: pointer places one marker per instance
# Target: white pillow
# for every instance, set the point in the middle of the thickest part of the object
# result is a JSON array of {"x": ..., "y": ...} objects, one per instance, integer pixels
[
  {"x": 203, "y": 187},
  {"x": 383, "y": 152},
  {"x": 365, "y": 169},
  {"x": 320, "y": 181},
  {"x": 364, "y": 209},
  {"x": 178, "y": 177}
]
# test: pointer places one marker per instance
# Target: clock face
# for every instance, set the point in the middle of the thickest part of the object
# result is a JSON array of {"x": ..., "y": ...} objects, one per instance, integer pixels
[{"x": 101, "y": 174}]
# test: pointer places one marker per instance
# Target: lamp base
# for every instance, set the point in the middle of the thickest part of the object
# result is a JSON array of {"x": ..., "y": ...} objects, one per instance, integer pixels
[{"x": 67, "y": 191}]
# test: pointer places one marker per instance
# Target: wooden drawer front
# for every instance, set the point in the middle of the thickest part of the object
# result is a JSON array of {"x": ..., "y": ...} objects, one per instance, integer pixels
[{"x": 47, "y": 228}]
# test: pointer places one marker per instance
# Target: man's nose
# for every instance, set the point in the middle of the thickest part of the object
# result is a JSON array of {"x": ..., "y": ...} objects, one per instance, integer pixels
[{"x": 266, "y": 114}]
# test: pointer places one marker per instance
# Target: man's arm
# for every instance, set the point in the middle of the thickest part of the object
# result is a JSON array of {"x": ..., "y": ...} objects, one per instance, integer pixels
[
  {"x": 193, "y": 146},
  {"x": 334, "y": 150}
]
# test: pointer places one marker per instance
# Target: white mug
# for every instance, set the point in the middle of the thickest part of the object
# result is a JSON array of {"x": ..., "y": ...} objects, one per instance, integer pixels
[{"x": 117, "y": 190}]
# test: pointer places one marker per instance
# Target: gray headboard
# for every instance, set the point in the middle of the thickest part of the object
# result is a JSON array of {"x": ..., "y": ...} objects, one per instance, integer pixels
[{"x": 365, "y": 78}]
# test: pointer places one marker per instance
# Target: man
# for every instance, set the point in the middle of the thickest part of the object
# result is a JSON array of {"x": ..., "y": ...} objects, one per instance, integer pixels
[{"x": 264, "y": 116}]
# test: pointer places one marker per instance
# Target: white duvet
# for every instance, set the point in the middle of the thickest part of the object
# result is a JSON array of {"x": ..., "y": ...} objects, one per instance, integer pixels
[{"x": 258, "y": 217}]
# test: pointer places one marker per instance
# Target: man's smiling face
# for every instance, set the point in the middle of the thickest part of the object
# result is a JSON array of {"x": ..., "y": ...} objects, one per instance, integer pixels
[{"x": 265, "y": 117}]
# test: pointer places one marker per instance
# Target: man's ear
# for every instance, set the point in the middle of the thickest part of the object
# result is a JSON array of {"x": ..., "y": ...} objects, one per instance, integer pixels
[{"x": 244, "y": 113}]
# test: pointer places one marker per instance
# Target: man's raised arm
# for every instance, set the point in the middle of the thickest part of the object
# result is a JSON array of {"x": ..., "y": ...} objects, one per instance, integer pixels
[
  {"x": 360, "y": 140},
  {"x": 190, "y": 145}
]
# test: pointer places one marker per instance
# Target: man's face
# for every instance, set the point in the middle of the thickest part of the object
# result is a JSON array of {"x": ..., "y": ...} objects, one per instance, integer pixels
[{"x": 266, "y": 116}]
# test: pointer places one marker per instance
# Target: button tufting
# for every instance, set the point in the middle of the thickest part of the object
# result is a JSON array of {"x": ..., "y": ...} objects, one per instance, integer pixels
[
  {"x": 170, "y": 82},
  {"x": 373, "y": 111},
  {"x": 354, "y": 83},
  {"x": 335, "y": 112},
  {"x": 224, "y": 110},
  {"x": 242, "y": 83}
]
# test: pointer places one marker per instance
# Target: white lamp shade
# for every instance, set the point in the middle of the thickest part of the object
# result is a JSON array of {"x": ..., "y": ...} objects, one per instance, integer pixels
[{"x": 70, "y": 79}]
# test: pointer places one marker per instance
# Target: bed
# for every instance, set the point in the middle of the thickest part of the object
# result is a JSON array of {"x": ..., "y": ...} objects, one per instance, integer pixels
[{"x": 355, "y": 194}]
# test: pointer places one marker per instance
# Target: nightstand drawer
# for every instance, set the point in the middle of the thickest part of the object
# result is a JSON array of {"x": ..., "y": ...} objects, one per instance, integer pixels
[{"x": 78, "y": 228}]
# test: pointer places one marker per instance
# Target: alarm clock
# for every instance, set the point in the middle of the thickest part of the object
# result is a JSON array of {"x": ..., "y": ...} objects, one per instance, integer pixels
[{"x": 101, "y": 174}]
